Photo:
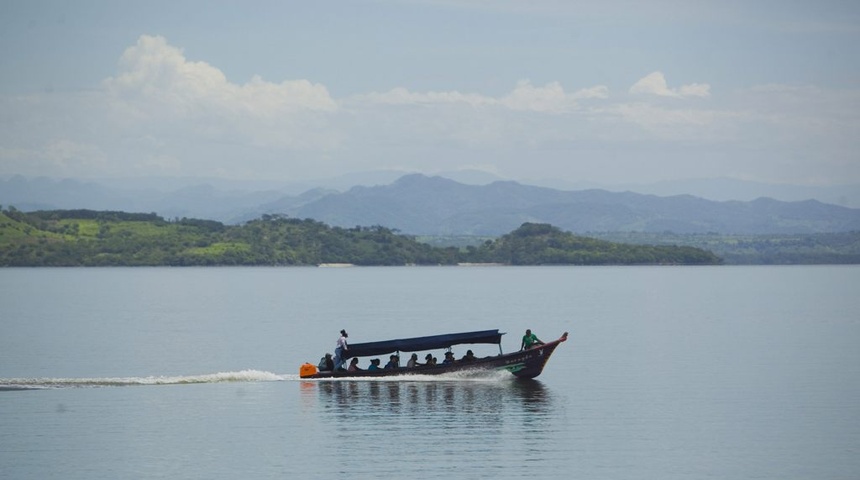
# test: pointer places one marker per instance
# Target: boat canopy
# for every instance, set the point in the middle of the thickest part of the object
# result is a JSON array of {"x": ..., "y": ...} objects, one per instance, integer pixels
[{"x": 418, "y": 344}]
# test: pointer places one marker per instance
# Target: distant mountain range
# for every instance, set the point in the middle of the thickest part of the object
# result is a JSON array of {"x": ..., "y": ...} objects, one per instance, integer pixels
[
  {"x": 417, "y": 204},
  {"x": 422, "y": 205}
]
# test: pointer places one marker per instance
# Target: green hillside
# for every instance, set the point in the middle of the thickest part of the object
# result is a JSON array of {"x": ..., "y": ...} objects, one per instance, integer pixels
[
  {"x": 542, "y": 244},
  {"x": 91, "y": 238}
]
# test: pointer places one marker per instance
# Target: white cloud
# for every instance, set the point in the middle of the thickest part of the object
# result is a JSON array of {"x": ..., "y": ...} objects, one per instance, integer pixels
[
  {"x": 525, "y": 97},
  {"x": 162, "y": 113},
  {"x": 402, "y": 96},
  {"x": 158, "y": 92},
  {"x": 551, "y": 98},
  {"x": 655, "y": 84},
  {"x": 154, "y": 71}
]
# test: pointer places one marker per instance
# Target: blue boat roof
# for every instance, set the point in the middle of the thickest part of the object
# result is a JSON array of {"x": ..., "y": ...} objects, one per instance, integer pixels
[{"x": 418, "y": 344}]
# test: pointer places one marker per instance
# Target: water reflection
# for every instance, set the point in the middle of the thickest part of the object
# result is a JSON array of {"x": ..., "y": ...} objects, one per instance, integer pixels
[
  {"x": 463, "y": 404},
  {"x": 452, "y": 427}
]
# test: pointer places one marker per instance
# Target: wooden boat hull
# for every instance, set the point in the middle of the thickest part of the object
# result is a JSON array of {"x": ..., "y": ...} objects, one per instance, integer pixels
[{"x": 522, "y": 364}]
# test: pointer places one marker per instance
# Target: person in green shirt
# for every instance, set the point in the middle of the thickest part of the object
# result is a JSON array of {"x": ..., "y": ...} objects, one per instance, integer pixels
[{"x": 530, "y": 340}]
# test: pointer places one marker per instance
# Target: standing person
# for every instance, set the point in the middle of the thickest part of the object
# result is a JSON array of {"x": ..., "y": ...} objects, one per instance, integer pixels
[
  {"x": 339, "y": 348},
  {"x": 530, "y": 340}
]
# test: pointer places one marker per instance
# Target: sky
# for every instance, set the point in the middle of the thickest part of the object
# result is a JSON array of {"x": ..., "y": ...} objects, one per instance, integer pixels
[{"x": 608, "y": 92}]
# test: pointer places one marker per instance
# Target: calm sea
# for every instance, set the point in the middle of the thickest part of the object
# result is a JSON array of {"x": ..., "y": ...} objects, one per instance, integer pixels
[{"x": 669, "y": 373}]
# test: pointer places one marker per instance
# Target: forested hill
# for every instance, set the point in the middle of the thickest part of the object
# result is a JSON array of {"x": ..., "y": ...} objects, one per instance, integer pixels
[
  {"x": 92, "y": 238},
  {"x": 543, "y": 244}
]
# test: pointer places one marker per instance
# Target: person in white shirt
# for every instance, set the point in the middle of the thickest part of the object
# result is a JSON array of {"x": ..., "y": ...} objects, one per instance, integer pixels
[
  {"x": 413, "y": 361},
  {"x": 339, "y": 348}
]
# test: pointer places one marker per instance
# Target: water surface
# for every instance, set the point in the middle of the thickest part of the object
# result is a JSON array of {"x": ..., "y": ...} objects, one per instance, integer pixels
[{"x": 670, "y": 372}]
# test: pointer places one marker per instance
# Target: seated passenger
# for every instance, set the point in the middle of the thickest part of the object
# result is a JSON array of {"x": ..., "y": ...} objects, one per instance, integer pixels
[
  {"x": 326, "y": 363},
  {"x": 353, "y": 365},
  {"x": 374, "y": 364},
  {"x": 449, "y": 358},
  {"x": 413, "y": 361},
  {"x": 469, "y": 357},
  {"x": 393, "y": 362}
]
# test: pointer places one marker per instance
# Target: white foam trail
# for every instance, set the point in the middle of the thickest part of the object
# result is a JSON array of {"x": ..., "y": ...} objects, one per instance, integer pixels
[
  {"x": 220, "y": 377},
  {"x": 7, "y": 384}
]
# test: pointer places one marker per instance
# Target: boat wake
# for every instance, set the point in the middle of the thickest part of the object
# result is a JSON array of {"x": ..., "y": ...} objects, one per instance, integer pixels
[
  {"x": 246, "y": 376},
  {"x": 221, "y": 377}
]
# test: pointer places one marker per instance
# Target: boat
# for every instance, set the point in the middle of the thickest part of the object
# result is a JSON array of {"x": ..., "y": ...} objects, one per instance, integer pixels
[{"x": 523, "y": 364}]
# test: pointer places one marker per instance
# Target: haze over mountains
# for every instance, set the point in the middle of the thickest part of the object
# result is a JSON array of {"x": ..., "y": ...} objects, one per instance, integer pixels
[{"x": 417, "y": 204}]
